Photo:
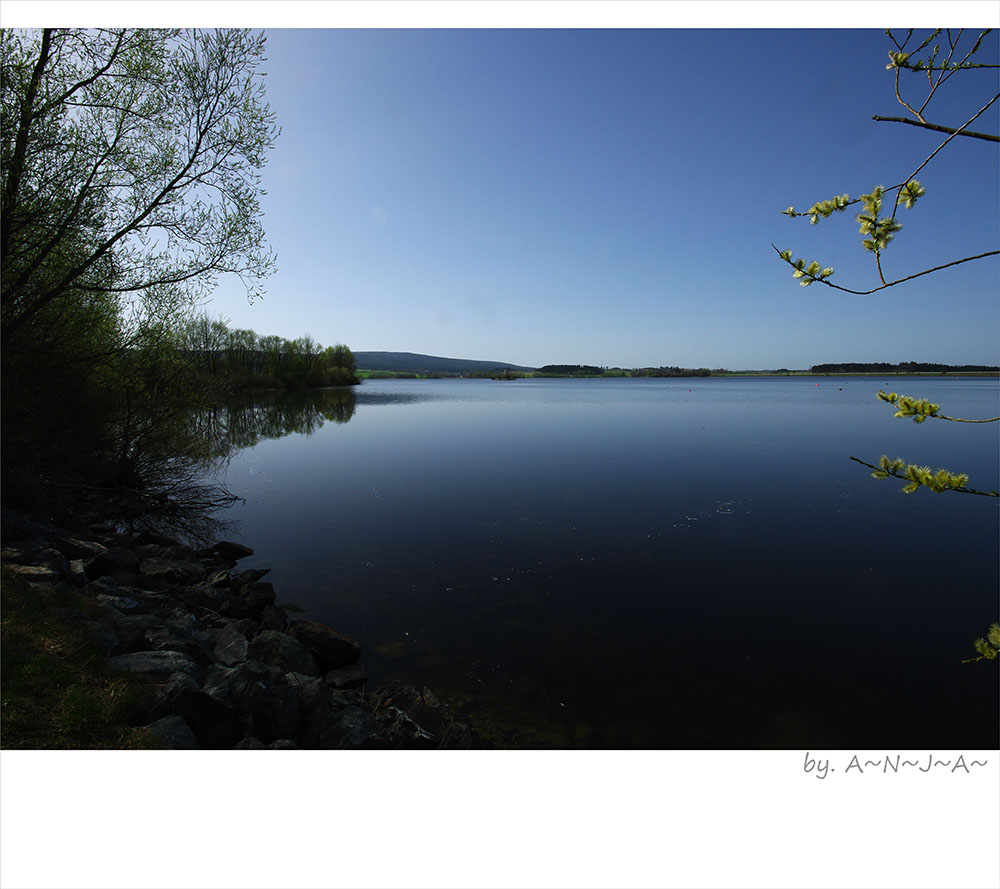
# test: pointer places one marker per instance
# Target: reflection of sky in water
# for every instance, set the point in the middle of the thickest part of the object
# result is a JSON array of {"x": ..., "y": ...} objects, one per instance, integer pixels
[{"x": 655, "y": 553}]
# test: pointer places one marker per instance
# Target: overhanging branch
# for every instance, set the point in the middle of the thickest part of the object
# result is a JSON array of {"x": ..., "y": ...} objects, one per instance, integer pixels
[{"x": 989, "y": 137}]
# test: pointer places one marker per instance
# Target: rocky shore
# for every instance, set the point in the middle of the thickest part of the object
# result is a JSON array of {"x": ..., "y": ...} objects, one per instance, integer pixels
[{"x": 230, "y": 668}]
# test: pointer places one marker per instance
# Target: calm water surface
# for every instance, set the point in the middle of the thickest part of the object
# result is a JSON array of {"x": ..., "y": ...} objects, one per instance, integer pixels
[{"x": 642, "y": 563}]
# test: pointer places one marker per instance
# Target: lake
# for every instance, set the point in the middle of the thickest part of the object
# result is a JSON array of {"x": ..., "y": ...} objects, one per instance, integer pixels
[{"x": 641, "y": 563}]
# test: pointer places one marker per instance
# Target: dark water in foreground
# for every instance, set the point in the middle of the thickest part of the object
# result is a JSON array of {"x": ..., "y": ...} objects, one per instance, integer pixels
[{"x": 643, "y": 563}]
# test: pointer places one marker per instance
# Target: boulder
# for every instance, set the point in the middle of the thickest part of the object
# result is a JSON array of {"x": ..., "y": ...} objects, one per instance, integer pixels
[
  {"x": 251, "y": 744},
  {"x": 173, "y": 571},
  {"x": 122, "y": 603},
  {"x": 421, "y": 705},
  {"x": 231, "y": 646},
  {"x": 403, "y": 731},
  {"x": 257, "y": 595},
  {"x": 130, "y": 629},
  {"x": 283, "y": 651},
  {"x": 460, "y": 736},
  {"x": 118, "y": 560},
  {"x": 331, "y": 649},
  {"x": 346, "y": 677},
  {"x": 323, "y": 726},
  {"x": 77, "y": 572},
  {"x": 158, "y": 664},
  {"x": 174, "y": 733},
  {"x": 162, "y": 638},
  {"x": 274, "y": 617},
  {"x": 202, "y": 596},
  {"x": 233, "y": 684},
  {"x": 228, "y": 550},
  {"x": 75, "y": 548},
  {"x": 272, "y": 710},
  {"x": 215, "y": 723},
  {"x": 217, "y": 576},
  {"x": 35, "y": 572},
  {"x": 353, "y": 728},
  {"x": 251, "y": 575}
]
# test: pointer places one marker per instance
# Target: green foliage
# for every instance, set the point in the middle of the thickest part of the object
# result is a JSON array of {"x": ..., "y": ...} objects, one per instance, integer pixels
[
  {"x": 807, "y": 273},
  {"x": 917, "y": 408},
  {"x": 131, "y": 166},
  {"x": 823, "y": 209},
  {"x": 900, "y": 60},
  {"x": 919, "y": 476},
  {"x": 880, "y": 231},
  {"x": 988, "y": 648}
]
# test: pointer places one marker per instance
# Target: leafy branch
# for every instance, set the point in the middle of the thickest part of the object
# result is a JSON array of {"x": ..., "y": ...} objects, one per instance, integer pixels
[
  {"x": 922, "y": 476},
  {"x": 988, "y": 648},
  {"x": 945, "y": 70},
  {"x": 787, "y": 256},
  {"x": 920, "y": 409},
  {"x": 878, "y": 229}
]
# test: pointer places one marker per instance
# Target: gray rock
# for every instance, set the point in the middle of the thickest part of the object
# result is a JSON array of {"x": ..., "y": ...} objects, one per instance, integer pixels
[
  {"x": 331, "y": 649},
  {"x": 273, "y": 710},
  {"x": 158, "y": 664},
  {"x": 403, "y": 731},
  {"x": 107, "y": 585},
  {"x": 77, "y": 572},
  {"x": 226, "y": 549},
  {"x": 354, "y": 729},
  {"x": 75, "y": 548},
  {"x": 252, "y": 744},
  {"x": 460, "y": 736},
  {"x": 346, "y": 677},
  {"x": 217, "y": 577},
  {"x": 285, "y": 652},
  {"x": 317, "y": 708},
  {"x": 113, "y": 561},
  {"x": 129, "y": 628},
  {"x": 421, "y": 705},
  {"x": 257, "y": 595},
  {"x": 162, "y": 638},
  {"x": 52, "y": 558},
  {"x": 251, "y": 575},
  {"x": 233, "y": 684},
  {"x": 162, "y": 605},
  {"x": 124, "y": 604},
  {"x": 203, "y": 596},
  {"x": 274, "y": 617},
  {"x": 174, "y": 733},
  {"x": 35, "y": 572},
  {"x": 173, "y": 571},
  {"x": 284, "y": 744},
  {"x": 231, "y": 647},
  {"x": 215, "y": 723}
]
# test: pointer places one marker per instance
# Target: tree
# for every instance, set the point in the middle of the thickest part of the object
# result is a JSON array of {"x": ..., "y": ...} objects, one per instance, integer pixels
[
  {"x": 939, "y": 62},
  {"x": 131, "y": 164}
]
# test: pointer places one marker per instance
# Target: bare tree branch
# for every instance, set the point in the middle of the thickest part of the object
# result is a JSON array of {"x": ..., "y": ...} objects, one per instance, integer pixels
[{"x": 931, "y": 126}]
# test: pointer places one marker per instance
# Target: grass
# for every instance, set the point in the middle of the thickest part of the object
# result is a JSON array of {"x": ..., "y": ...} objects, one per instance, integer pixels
[{"x": 56, "y": 687}]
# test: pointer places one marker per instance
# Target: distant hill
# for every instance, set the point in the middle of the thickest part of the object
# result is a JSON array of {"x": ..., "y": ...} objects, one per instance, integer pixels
[{"x": 410, "y": 362}]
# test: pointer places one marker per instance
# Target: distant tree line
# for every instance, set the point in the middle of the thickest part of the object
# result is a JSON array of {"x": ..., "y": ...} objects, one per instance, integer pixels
[
  {"x": 671, "y": 372},
  {"x": 243, "y": 359},
  {"x": 901, "y": 367}
]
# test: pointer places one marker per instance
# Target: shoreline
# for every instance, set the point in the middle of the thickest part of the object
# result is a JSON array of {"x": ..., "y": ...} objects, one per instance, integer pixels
[{"x": 226, "y": 667}]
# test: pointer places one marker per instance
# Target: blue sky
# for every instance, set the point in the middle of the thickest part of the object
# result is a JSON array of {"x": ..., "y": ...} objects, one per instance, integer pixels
[{"x": 610, "y": 196}]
